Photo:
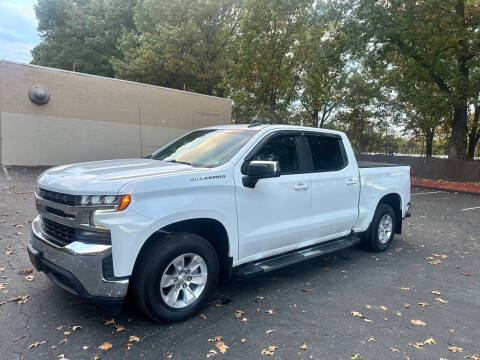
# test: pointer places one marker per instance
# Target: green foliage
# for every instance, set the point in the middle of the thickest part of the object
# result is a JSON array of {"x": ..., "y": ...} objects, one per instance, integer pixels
[
  {"x": 81, "y": 35},
  {"x": 266, "y": 58},
  {"x": 179, "y": 44}
]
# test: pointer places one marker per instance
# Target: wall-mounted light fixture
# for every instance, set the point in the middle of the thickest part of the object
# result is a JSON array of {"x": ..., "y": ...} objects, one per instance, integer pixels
[{"x": 39, "y": 94}]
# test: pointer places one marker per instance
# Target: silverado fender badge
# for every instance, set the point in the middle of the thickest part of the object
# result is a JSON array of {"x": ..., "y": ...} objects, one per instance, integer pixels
[{"x": 210, "y": 177}]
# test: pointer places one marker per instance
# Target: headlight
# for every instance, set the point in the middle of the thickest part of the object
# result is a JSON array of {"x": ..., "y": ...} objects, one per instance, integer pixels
[{"x": 119, "y": 202}]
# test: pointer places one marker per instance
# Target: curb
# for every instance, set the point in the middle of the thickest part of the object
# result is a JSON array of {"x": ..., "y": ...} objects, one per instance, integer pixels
[{"x": 447, "y": 190}]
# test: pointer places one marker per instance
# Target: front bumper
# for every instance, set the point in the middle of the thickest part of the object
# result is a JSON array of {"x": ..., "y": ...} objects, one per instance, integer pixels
[{"x": 76, "y": 267}]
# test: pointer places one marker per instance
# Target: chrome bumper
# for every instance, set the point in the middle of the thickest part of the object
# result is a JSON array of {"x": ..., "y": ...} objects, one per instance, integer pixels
[{"x": 76, "y": 267}]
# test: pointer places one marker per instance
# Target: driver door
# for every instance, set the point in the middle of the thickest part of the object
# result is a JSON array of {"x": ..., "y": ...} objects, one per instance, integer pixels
[{"x": 274, "y": 215}]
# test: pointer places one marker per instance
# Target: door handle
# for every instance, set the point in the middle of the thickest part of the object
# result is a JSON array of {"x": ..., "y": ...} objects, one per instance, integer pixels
[
  {"x": 351, "y": 181},
  {"x": 302, "y": 186}
]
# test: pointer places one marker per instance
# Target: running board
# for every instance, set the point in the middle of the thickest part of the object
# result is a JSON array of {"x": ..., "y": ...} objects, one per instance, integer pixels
[{"x": 282, "y": 260}]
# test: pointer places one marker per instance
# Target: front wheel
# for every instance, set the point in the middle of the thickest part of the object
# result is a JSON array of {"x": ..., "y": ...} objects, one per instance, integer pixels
[
  {"x": 382, "y": 230},
  {"x": 175, "y": 277}
]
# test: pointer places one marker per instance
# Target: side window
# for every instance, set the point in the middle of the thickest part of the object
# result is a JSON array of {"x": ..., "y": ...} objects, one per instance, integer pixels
[
  {"x": 327, "y": 153},
  {"x": 282, "y": 149}
]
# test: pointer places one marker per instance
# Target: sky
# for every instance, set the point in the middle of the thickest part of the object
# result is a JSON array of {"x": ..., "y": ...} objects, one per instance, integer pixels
[{"x": 18, "y": 30}]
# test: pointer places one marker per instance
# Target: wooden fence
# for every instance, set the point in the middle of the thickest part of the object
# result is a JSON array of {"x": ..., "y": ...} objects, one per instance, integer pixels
[{"x": 433, "y": 168}]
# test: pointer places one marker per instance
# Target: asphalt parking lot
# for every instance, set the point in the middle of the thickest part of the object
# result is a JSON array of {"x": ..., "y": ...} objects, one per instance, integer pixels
[{"x": 419, "y": 300}]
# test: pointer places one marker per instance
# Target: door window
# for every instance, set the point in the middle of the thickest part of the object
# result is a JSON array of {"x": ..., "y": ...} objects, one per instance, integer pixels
[
  {"x": 281, "y": 148},
  {"x": 328, "y": 153}
]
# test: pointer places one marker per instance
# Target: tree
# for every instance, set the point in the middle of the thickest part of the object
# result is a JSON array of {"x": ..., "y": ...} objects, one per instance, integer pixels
[
  {"x": 266, "y": 58},
  {"x": 81, "y": 35},
  {"x": 179, "y": 44},
  {"x": 474, "y": 132},
  {"x": 437, "y": 42}
]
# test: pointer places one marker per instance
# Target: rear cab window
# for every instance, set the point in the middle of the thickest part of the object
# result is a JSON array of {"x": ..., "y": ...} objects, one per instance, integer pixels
[{"x": 328, "y": 153}]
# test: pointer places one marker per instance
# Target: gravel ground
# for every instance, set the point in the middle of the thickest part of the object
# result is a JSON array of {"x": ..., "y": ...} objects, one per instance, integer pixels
[{"x": 311, "y": 304}]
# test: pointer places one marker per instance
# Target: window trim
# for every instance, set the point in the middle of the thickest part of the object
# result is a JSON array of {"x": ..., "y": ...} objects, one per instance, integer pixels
[
  {"x": 302, "y": 161},
  {"x": 310, "y": 156}
]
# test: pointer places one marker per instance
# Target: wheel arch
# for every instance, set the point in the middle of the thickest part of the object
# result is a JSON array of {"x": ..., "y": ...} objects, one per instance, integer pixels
[
  {"x": 210, "y": 229},
  {"x": 395, "y": 201}
]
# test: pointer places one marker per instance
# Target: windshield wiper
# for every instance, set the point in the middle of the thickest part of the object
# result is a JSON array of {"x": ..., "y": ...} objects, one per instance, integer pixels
[{"x": 179, "y": 162}]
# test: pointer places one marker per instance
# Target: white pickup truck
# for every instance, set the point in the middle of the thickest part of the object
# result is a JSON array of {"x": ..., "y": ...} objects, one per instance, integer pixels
[{"x": 220, "y": 201}]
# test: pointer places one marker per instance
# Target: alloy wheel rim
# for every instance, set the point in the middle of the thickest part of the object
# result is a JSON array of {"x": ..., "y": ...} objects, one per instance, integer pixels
[
  {"x": 385, "y": 228},
  {"x": 183, "y": 280}
]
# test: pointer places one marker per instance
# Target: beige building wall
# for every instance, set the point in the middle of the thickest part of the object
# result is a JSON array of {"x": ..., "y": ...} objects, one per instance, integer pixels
[{"x": 93, "y": 118}]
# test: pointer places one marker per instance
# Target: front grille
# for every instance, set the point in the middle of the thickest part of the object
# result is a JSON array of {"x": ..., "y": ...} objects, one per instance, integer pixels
[
  {"x": 56, "y": 197},
  {"x": 58, "y": 233}
]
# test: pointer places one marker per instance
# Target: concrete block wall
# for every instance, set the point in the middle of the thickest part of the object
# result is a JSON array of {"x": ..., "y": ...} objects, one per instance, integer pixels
[{"x": 93, "y": 118}]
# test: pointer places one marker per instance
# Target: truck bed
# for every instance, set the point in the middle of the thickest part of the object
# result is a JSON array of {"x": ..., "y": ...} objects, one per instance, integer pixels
[{"x": 372, "y": 164}]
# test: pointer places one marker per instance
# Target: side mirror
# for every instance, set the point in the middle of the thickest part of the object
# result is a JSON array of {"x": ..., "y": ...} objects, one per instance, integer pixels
[{"x": 260, "y": 170}]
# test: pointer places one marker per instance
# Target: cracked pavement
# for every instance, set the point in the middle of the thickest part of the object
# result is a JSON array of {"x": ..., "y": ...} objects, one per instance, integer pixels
[{"x": 312, "y": 302}]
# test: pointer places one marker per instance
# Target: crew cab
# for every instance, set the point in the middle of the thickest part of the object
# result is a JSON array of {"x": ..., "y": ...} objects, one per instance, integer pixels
[{"x": 221, "y": 201}]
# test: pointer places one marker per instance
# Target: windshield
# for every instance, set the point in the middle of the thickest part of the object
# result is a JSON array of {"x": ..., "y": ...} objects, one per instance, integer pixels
[{"x": 205, "y": 148}]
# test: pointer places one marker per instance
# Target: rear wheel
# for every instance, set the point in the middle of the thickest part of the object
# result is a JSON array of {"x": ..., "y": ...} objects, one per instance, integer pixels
[
  {"x": 382, "y": 229},
  {"x": 175, "y": 277}
]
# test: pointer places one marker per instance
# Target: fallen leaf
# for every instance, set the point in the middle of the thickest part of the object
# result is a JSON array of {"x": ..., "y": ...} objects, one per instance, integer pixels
[
  {"x": 67, "y": 332},
  {"x": 452, "y": 330},
  {"x": 371, "y": 339},
  {"x": 105, "y": 346},
  {"x": 19, "y": 299},
  {"x": 455, "y": 349},
  {"x": 269, "y": 331},
  {"x": 37, "y": 343},
  {"x": 466, "y": 274},
  {"x": 429, "y": 341},
  {"x": 64, "y": 341},
  {"x": 269, "y": 351},
  {"x": 211, "y": 353},
  {"x": 355, "y": 357},
  {"x": 119, "y": 327},
  {"x": 473, "y": 357},
  {"x": 216, "y": 338},
  {"x": 244, "y": 319},
  {"x": 243, "y": 340},
  {"x": 436, "y": 292},
  {"x": 368, "y": 306},
  {"x": 357, "y": 314},
  {"x": 418, "y": 322},
  {"x": 398, "y": 313},
  {"x": 85, "y": 347},
  {"x": 203, "y": 316},
  {"x": 434, "y": 262},
  {"x": 260, "y": 297},
  {"x": 270, "y": 312},
  {"x": 3, "y": 286},
  {"x": 304, "y": 346},
  {"x": 221, "y": 347},
  {"x": 440, "y": 300},
  {"x": 423, "y": 304},
  {"x": 239, "y": 313},
  {"x": 405, "y": 288},
  {"x": 384, "y": 308},
  {"x": 109, "y": 322},
  {"x": 134, "y": 338},
  {"x": 28, "y": 270},
  {"x": 2, "y": 269},
  {"x": 393, "y": 350},
  {"x": 407, "y": 306},
  {"x": 76, "y": 327}
]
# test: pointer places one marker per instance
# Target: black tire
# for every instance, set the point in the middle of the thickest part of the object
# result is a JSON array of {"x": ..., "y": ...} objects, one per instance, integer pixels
[
  {"x": 152, "y": 264},
  {"x": 373, "y": 240}
]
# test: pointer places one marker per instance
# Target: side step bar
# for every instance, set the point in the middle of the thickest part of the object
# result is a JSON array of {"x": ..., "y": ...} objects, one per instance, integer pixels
[{"x": 282, "y": 260}]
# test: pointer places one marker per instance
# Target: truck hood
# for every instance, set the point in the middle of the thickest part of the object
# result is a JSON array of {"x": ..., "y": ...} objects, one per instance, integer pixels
[{"x": 106, "y": 177}]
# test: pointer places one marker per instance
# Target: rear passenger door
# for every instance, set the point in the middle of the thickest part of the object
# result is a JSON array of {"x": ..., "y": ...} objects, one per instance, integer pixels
[{"x": 335, "y": 186}]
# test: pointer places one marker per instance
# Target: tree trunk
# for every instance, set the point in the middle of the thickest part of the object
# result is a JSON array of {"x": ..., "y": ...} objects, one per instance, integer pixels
[
  {"x": 458, "y": 145},
  {"x": 315, "y": 118},
  {"x": 474, "y": 134},
  {"x": 429, "y": 144}
]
